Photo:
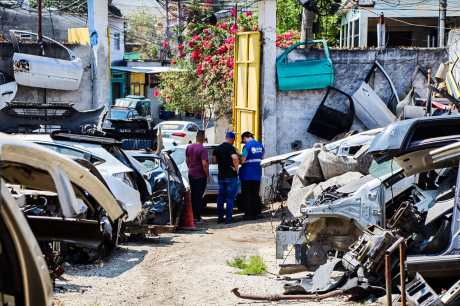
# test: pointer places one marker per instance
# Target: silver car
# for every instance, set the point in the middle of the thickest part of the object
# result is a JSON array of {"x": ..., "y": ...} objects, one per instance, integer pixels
[{"x": 212, "y": 188}]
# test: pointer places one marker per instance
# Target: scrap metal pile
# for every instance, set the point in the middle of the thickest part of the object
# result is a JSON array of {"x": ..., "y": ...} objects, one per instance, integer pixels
[
  {"x": 76, "y": 195},
  {"x": 355, "y": 200}
]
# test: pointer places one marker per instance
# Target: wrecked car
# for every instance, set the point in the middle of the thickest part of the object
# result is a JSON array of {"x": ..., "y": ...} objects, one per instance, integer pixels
[
  {"x": 24, "y": 278},
  {"x": 116, "y": 175},
  {"x": 426, "y": 151},
  {"x": 65, "y": 205},
  {"x": 44, "y": 67},
  {"x": 165, "y": 203}
]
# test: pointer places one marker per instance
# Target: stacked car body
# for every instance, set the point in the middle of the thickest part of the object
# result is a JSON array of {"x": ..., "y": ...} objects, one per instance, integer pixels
[{"x": 79, "y": 195}]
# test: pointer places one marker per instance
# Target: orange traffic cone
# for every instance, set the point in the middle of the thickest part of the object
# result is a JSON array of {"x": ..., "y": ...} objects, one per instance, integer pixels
[{"x": 187, "y": 222}]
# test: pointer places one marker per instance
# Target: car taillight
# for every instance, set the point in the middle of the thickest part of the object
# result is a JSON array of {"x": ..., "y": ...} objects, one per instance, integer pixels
[{"x": 179, "y": 134}]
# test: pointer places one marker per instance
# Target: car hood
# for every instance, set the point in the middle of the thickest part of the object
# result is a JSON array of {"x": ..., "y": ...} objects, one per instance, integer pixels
[
  {"x": 266, "y": 162},
  {"x": 403, "y": 137}
]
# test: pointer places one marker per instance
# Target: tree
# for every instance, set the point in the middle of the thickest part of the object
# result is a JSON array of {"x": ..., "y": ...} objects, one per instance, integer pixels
[
  {"x": 144, "y": 29},
  {"x": 206, "y": 85},
  {"x": 288, "y": 16}
]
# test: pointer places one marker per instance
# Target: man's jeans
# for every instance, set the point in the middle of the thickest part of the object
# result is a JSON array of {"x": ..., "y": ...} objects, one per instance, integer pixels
[
  {"x": 197, "y": 188},
  {"x": 227, "y": 193}
]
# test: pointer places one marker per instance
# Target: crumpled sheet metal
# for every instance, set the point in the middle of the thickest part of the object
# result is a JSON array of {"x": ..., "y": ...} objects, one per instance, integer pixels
[
  {"x": 309, "y": 171},
  {"x": 333, "y": 165},
  {"x": 299, "y": 193},
  {"x": 323, "y": 279}
]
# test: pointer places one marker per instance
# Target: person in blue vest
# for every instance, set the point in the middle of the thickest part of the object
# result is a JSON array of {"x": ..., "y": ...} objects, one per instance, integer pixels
[{"x": 250, "y": 175}]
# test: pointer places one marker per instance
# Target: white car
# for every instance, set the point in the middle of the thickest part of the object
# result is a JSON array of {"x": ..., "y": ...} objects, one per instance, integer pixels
[
  {"x": 182, "y": 132},
  {"x": 118, "y": 177}
]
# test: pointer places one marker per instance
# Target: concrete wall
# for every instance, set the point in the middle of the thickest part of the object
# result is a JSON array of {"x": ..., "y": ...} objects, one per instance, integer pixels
[
  {"x": 55, "y": 26},
  {"x": 295, "y": 109},
  {"x": 81, "y": 97}
]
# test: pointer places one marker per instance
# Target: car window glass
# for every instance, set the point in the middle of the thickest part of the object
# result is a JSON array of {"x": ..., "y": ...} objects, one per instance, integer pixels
[
  {"x": 178, "y": 155},
  {"x": 383, "y": 169},
  {"x": 192, "y": 128},
  {"x": 68, "y": 151},
  {"x": 149, "y": 163}
]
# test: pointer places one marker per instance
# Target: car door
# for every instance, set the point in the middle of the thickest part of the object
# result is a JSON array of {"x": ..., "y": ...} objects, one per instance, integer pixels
[{"x": 370, "y": 108}]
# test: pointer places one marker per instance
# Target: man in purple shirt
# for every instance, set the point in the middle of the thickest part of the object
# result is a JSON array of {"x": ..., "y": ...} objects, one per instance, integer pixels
[{"x": 198, "y": 172}]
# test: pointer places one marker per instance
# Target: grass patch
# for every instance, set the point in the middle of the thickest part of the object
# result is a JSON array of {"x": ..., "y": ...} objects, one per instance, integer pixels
[{"x": 253, "y": 265}]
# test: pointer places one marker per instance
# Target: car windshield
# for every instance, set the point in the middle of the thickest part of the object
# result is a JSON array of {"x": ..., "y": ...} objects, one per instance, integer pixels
[
  {"x": 178, "y": 155},
  {"x": 149, "y": 163},
  {"x": 383, "y": 169},
  {"x": 120, "y": 114},
  {"x": 172, "y": 126}
]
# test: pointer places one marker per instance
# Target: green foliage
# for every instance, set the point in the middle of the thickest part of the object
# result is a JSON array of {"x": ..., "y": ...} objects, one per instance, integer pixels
[
  {"x": 288, "y": 16},
  {"x": 329, "y": 28},
  {"x": 67, "y": 5},
  {"x": 145, "y": 29},
  {"x": 255, "y": 265},
  {"x": 179, "y": 89},
  {"x": 207, "y": 56}
]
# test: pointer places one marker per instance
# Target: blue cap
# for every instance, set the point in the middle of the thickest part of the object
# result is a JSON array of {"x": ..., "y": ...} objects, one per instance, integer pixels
[{"x": 230, "y": 135}]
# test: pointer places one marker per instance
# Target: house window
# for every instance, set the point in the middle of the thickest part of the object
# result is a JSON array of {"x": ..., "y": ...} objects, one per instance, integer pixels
[
  {"x": 356, "y": 33},
  {"x": 117, "y": 41}
]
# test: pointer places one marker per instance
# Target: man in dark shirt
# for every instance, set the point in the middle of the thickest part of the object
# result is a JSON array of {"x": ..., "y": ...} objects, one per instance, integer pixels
[
  {"x": 227, "y": 162},
  {"x": 198, "y": 172}
]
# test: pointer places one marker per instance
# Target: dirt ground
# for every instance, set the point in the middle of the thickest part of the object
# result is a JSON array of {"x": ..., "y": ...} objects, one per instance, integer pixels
[{"x": 185, "y": 268}]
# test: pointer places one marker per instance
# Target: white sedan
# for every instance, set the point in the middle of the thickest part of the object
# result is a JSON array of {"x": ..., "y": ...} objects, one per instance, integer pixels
[{"x": 182, "y": 132}]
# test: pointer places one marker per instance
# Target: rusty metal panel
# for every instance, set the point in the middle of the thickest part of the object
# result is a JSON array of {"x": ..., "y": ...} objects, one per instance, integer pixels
[{"x": 246, "y": 82}]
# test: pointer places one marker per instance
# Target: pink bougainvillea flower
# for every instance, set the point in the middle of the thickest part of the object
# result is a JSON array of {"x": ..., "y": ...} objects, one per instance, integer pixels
[
  {"x": 230, "y": 73},
  {"x": 206, "y": 31},
  {"x": 165, "y": 44},
  {"x": 288, "y": 36},
  {"x": 234, "y": 28},
  {"x": 156, "y": 92},
  {"x": 208, "y": 59},
  {"x": 199, "y": 70},
  {"x": 230, "y": 62},
  {"x": 207, "y": 45},
  {"x": 248, "y": 14},
  {"x": 233, "y": 11},
  {"x": 196, "y": 37},
  {"x": 230, "y": 40},
  {"x": 223, "y": 25},
  {"x": 180, "y": 46},
  {"x": 222, "y": 49},
  {"x": 195, "y": 55},
  {"x": 191, "y": 44}
]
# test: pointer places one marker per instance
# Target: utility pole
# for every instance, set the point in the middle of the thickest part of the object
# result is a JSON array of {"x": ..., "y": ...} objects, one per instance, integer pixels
[
  {"x": 381, "y": 32},
  {"x": 40, "y": 36},
  {"x": 40, "y": 22},
  {"x": 179, "y": 16},
  {"x": 442, "y": 22}
]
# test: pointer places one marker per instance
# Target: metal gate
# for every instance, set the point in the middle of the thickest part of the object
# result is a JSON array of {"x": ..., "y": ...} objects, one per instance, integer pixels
[{"x": 246, "y": 85}]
